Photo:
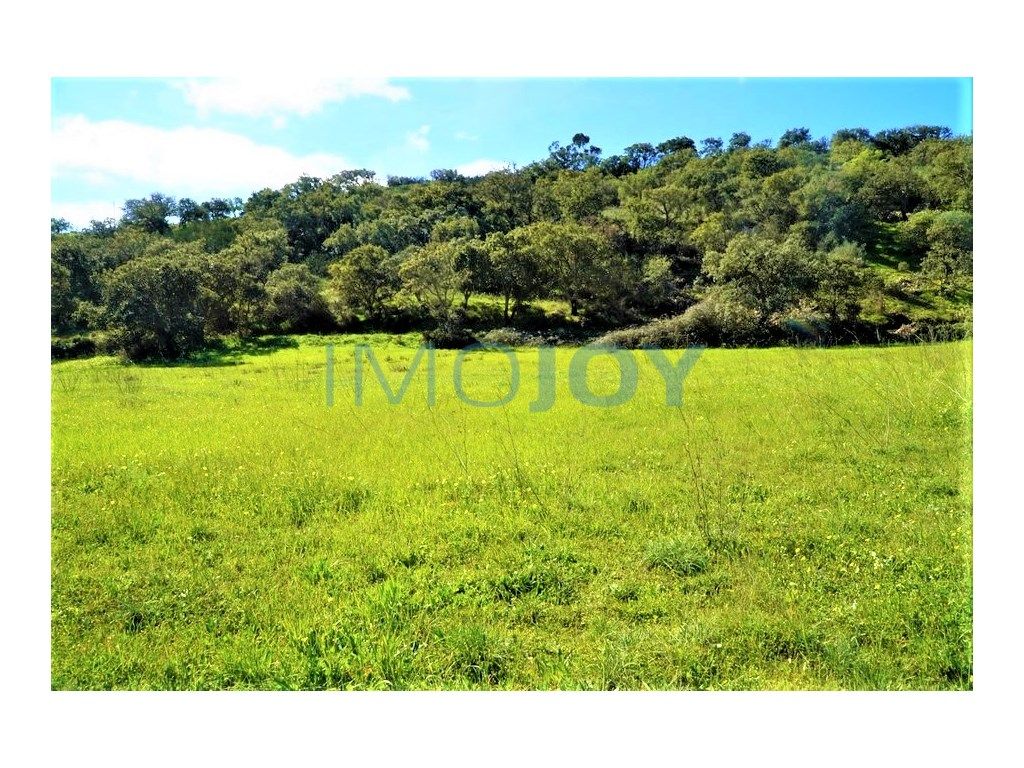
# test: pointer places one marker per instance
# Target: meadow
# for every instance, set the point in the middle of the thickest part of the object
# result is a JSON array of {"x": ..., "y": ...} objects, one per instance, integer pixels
[{"x": 802, "y": 521}]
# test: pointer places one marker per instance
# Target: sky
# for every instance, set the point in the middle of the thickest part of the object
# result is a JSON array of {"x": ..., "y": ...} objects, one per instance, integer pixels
[{"x": 117, "y": 139}]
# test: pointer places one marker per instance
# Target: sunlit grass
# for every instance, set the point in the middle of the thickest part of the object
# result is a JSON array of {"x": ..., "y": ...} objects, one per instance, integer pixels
[{"x": 803, "y": 521}]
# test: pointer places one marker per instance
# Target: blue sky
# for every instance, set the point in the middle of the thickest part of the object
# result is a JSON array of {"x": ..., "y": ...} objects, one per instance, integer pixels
[{"x": 115, "y": 139}]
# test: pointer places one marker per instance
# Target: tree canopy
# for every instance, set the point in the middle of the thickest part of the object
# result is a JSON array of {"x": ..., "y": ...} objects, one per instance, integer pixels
[{"x": 857, "y": 229}]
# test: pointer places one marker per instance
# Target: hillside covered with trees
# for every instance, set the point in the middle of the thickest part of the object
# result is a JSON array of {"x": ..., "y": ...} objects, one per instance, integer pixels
[{"x": 857, "y": 238}]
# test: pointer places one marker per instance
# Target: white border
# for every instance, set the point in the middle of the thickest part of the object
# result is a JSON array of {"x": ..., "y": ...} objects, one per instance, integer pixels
[{"x": 470, "y": 38}]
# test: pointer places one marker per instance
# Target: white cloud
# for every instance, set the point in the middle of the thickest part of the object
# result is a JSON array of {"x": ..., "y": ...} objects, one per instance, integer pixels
[
  {"x": 284, "y": 95},
  {"x": 481, "y": 167},
  {"x": 418, "y": 139},
  {"x": 80, "y": 214},
  {"x": 465, "y": 136},
  {"x": 178, "y": 161}
]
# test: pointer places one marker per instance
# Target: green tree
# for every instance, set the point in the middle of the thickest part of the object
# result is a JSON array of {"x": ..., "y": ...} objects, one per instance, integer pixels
[
  {"x": 841, "y": 278},
  {"x": 738, "y": 141},
  {"x": 150, "y": 214},
  {"x": 582, "y": 195},
  {"x": 794, "y": 137},
  {"x": 295, "y": 302},
  {"x": 363, "y": 281},
  {"x": 766, "y": 275},
  {"x": 154, "y": 307},
  {"x": 236, "y": 279},
  {"x": 432, "y": 274},
  {"x": 950, "y": 247},
  {"x": 579, "y": 155},
  {"x": 576, "y": 258},
  {"x": 62, "y": 300},
  {"x": 516, "y": 271}
]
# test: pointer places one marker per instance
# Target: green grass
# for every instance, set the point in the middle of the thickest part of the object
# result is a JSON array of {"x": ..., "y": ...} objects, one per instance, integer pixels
[{"x": 803, "y": 521}]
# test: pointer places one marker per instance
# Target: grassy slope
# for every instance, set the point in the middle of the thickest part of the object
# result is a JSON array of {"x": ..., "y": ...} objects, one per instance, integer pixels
[{"x": 802, "y": 522}]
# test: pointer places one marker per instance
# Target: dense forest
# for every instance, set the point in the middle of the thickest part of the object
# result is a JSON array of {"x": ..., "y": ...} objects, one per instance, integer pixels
[{"x": 858, "y": 238}]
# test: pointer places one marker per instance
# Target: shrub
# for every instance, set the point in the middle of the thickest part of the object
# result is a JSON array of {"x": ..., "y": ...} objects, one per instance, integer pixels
[
  {"x": 449, "y": 336},
  {"x": 510, "y": 337},
  {"x": 718, "y": 320},
  {"x": 71, "y": 347},
  {"x": 803, "y": 324},
  {"x": 451, "y": 333},
  {"x": 670, "y": 333},
  {"x": 294, "y": 302}
]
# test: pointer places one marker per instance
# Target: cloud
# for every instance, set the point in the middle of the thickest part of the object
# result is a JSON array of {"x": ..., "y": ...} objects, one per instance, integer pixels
[
  {"x": 466, "y": 136},
  {"x": 178, "y": 161},
  {"x": 80, "y": 214},
  {"x": 481, "y": 167},
  {"x": 418, "y": 139},
  {"x": 280, "y": 96}
]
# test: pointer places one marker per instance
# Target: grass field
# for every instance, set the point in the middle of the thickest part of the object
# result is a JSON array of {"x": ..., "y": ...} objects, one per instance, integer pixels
[{"x": 803, "y": 521}]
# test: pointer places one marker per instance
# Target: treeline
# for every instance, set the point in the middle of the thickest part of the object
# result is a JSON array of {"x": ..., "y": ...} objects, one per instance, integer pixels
[{"x": 725, "y": 242}]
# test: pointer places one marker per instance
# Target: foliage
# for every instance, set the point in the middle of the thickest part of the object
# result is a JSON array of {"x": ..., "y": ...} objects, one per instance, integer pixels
[
  {"x": 154, "y": 306},
  {"x": 363, "y": 281},
  {"x": 623, "y": 240},
  {"x": 295, "y": 301}
]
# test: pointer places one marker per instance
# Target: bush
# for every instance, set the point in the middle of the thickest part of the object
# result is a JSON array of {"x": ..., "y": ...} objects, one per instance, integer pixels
[
  {"x": 294, "y": 303},
  {"x": 803, "y": 325},
  {"x": 452, "y": 333},
  {"x": 668, "y": 333},
  {"x": 71, "y": 347},
  {"x": 720, "y": 321},
  {"x": 511, "y": 337}
]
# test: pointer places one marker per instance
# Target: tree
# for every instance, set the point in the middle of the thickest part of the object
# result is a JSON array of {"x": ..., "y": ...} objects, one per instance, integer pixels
[
  {"x": 363, "y": 281},
  {"x": 657, "y": 283},
  {"x": 710, "y": 147},
  {"x": 841, "y": 278},
  {"x": 862, "y": 135},
  {"x": 341, "y": 241},
  {"x": 795, "y": 137},
  {"x": 678, "y": 144},
  {"x": 640, "y": 156},
  {"x": 890, "y": 189},
  {"x": 454, "y": 228},
  {"x": 150, "y": 214},
  {"x": 579, "y": 196},
  {"x": 432, "y": 274},
  {"x": 62, "y": 300},
  {"x": 577, "y": 156},
  {"x": 950, "y": 246},
  {"x": 506, "y": 199},
  {"x": 575, "y": 257},
  {"x": 235, "y": 279},
  {"x": 294, "y": 300},
  {"x": 834, "y": 213},
  {"x": 473, "y": 260},
  {"x": 59, "y": 226},
  {"x": 766, "y": 275},
  {"x": 446, "y": 174},
  {"x": 738, "y": 141},
  {"x": 154, "y": 305},
  {"x": 189, "y": 210},
  {"x": 899, "y": 141},
  {"x": 516, "y": 272}
]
